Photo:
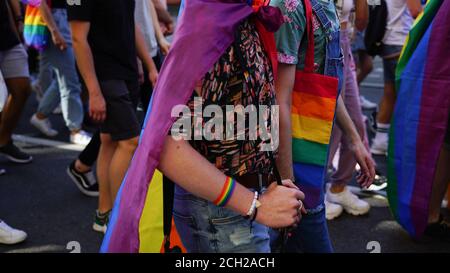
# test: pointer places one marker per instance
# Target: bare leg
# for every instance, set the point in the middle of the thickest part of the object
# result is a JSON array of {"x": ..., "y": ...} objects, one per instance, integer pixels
[
  {"x": 120, "y": 162},
  {"x": 440, "y": 184},
  {"x": 106, "y": 153},
  {"x": 365, "y": 65},
  {"x": 19, "y": 89},
  {"x": 387, "y": 104}
]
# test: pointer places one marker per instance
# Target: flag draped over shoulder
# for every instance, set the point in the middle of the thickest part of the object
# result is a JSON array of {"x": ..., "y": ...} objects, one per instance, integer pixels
[
  {"x": 420, "y": 117},
  {"x": 205, "y": 30}
]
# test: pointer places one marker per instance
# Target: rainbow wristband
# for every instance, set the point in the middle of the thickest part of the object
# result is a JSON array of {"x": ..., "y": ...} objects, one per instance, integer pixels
[{"x": 226, "y": 193}]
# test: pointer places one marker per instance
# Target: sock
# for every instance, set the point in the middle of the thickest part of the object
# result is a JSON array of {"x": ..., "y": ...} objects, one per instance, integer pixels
[{"x": 382, "y": 132}]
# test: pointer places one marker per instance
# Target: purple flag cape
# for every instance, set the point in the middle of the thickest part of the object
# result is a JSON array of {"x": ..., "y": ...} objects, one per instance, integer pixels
[{"x": 205, "y": 30}]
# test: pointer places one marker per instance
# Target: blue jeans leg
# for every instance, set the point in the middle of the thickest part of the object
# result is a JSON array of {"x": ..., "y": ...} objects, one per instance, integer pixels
[
  {"x": 63, "y": 63},
  {"x": 311, "y": 235},
  {"x": 50, "y": 100}
]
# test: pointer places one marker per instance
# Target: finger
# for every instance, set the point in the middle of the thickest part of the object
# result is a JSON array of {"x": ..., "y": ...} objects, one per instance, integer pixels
[
  {"x": 304, "y": 211},
  {"x": 103, "y": 116},
  {"x": 94, "y": 117},
  {"x": 364, "y": 169},
  {"x": 288, "y": 183},
  {"x": 299, "y": 195},
  {"x": 373, "y": 172},
  {"x": 98, "y": 117}
]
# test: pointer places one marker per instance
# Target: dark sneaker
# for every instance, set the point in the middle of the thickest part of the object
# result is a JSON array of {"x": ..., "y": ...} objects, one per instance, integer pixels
[
  {"x": 438, "y": 231},
  {"x": 85, "y": 182},
  {"x": 379, "y": 183},
  {"x": 101, "y": 221},
  {"x": 14, "y": 154}
]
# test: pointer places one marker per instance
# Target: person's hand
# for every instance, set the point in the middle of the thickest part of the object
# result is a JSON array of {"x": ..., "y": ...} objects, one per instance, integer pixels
[
  {"x": 140, "y": 72},
  {"x": 168, "y": 29},
  {"x": 97, "y": 107},
  {"x": 281, "y": 206},
  {"x": 365, "y": 161},
  {"x": 153, "y": 77},
  {"x": 58, "y": 40},
  {"x": 165, "y": 46}
]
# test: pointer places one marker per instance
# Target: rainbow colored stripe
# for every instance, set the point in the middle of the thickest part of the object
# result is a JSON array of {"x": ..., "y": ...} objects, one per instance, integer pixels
[
  {"x": 313, "y": 109},
  {"x": 420, "y": 117},
  {"x": 35, "y": 32},
  {"x": 226, "y": 193}
]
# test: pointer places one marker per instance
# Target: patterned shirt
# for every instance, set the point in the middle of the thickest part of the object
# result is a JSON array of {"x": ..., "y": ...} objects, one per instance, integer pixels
[
  {"x": 292, "y": 33},
  {"x": 242, "y": 76}
]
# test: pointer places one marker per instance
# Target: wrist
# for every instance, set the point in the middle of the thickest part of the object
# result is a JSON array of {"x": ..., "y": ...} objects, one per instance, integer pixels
[
  {"x": 95, "y": 92},
  {"x": 253, "y": 209},
  {"x": 354, "y": 139}
]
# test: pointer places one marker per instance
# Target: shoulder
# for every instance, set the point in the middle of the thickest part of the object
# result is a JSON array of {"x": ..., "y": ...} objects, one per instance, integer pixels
[
  {"x": 292, "y": 10},
  {"x": 289, "y": 7}
]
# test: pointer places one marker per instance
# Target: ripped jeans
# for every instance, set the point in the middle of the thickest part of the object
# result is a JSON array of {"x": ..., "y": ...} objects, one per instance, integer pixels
[{"x": 207, "y": 228}]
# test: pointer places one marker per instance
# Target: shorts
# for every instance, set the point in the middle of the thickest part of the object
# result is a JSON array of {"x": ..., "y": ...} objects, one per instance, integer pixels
[
  {"x": 390, "y": 64},
  {"x": 121, "y": 101},
  {"x": 358, "y": 42},
  {"x": 14, "y": 62}
]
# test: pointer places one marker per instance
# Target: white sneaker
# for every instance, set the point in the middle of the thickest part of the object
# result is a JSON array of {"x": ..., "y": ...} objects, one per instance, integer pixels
[
  {"x": 379, "y": 147},
  {"x": 43, "y": 125},
  {"x": 10, "y": 236},
  {"x": 349, "y": 201},
  {"x": 332, "y": 210},
  {"x": 367, "y": 104},
  {"x": 80, "y": 138}
]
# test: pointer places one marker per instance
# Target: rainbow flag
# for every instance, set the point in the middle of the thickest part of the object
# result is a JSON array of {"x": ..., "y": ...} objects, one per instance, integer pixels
[
  {"x": 420, "y": 117},
  {"x": 313, "y": 109},
  {"x": 136, "y": 219},
  {"x": 35, "y": 32}
]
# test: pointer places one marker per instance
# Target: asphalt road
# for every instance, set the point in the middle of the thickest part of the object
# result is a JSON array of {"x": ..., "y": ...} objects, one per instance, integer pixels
[{"x": 41, "y": 199}]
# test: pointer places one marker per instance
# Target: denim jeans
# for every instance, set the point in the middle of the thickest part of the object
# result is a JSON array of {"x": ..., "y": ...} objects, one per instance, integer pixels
[
  {"x": 311, "y": 235},
  {"x": 67, "y": 85},
  {"x": 207, "y": 228}
]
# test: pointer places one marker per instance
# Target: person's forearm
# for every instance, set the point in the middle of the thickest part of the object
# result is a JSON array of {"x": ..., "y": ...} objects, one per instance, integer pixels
[
  {"x": 283, "y": 86},
  {"x": 158, "y": 32},
  {"x": 163, "y": 15},
  {"x": 198, "y": 176},
  {"x": 284, "y": 160},
  {"x": 345, "y": 122},
  {"x": 142, "y": 50},
  {"x": 15, "y": 6},
  {"x": 362, "y": 14},
  {"x": 48, "y": 17},
  {"x": 85, "y": 62}
]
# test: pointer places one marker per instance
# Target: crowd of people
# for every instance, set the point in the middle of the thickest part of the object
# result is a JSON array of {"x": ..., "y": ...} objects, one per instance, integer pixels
[{"x": 105, "y": 59}]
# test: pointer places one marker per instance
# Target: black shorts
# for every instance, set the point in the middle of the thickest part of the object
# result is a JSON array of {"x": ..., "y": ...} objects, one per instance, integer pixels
[{"x": 121, "y": 102}]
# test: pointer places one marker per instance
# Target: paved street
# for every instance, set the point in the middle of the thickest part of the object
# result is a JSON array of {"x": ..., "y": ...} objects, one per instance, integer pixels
[{"x": 41, "y": 199}]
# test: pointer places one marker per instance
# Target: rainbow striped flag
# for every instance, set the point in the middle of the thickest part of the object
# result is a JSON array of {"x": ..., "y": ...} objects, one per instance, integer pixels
[
  {"x": 136, "y": 219},
  {"x": 420, "y": 117},
  {"x": 313, "y": 109},
  {"x": 35, "y": 32}
]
